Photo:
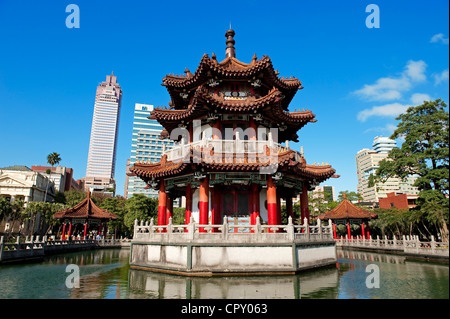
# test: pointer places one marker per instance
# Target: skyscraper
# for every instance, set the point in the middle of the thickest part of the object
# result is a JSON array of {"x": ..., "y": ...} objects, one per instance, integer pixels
[
  {"x": 103, "y": 143},
  {"x": 367, "y": 163},
  {"x": 145, "y": 146}
]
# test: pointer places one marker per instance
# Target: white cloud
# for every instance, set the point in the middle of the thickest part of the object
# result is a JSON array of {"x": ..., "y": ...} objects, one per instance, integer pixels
[
  {"x": 393, "y": 109},
  {"x": 391, "y": 88},
  {"x": 416, "y": 70},
  {"x": 440, "y": 37},
  {"x": 418, "y": 98},
  {"x": 440, "y": 77},
  {"x": 388, "y": 110}
]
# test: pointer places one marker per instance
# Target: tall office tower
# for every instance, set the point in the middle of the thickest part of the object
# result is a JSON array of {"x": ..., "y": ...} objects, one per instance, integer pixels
[
  {"x": 367, "y": 163},
  {"x": 103, "y": 143},
  {"x": 146, "y": 145}
]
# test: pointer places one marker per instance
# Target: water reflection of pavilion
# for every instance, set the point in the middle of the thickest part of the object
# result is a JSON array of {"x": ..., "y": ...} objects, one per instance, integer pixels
[{"x": 323, "y": 284}]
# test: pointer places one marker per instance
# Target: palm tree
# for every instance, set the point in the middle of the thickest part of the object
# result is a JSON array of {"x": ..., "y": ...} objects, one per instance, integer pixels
[{"x": 52, "y": 159}]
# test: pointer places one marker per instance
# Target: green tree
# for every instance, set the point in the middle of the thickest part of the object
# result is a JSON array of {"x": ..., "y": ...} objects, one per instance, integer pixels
[
  {"x": 52, "y": 159},
  {"x": 115, "y": 205},
  {"x": 13, "y": 211},
  {"x": 424, "y": 153},
  {"x": 139, "y": 207},
  {"x": 73, "y": 197},
  {"x": 5, "y": 207},
  {"x": 318, "y": 203},
  {"x": 351, "y": 196},
  {"x": 178, "y": 215}
]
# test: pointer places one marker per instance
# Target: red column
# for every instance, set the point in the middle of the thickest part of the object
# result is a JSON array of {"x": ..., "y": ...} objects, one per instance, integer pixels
[
  {"x": 304, "y": 203},
  {"x": 362, "y": 230},
  {"x": 278, "y": 208},
  {"x": 252, "y": 125},
  {"x": 169, "y": 208},
  {"x": 217, "y": 135},
  {"x": 348, "y": 231},
  {"x": 334, "y": 231},
  {"x": 191, "y": 132},
  {"x": 368, "y": 231},
  {"x": 162, "y": 201},
  {"x": 203, "y": 203},
  {"x": 271, "y": 202},
  {"x": 216, "y": 204},
  {"x": 70, "y": 231},
  {"x": 100, "y": 228},
  {"x": 63, "y": 231},
  {"x": 105, "y": 230},
  {"x": 289, "y": 207},
  {"x": 187, "y": 216},
  {"x": 85, "y": 229},
  {"x": 254, "y": 203}
]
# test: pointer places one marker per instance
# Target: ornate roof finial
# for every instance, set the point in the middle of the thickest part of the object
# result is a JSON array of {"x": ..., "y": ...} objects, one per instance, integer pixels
[{"x": 230, "y": 51}]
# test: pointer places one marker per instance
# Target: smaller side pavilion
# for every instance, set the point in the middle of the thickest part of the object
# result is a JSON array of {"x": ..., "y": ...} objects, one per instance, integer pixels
[
  {"x": 85, "y": 213},
  {"x": 347, "y": 213}
]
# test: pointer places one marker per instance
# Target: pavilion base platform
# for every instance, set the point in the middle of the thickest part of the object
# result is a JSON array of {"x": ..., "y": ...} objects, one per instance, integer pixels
[{"x": 225, "y": 253}]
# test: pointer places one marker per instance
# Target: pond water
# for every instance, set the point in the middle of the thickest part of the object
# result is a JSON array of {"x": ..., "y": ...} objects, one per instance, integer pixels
[{"x": 106, "y": 274}]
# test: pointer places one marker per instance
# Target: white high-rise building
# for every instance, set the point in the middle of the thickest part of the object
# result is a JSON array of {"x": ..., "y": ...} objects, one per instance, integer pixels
[
  {"x": 103, "y": 143},
  {"x": 367, "y": 163}
]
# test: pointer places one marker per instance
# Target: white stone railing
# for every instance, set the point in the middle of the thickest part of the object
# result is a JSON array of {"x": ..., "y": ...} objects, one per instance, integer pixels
[
  {"x": 408, "y": 244},
  {"x": 237, "y": 146},
  {"x": 258, "y": 233},
  {"x": 36, "y": 246}
]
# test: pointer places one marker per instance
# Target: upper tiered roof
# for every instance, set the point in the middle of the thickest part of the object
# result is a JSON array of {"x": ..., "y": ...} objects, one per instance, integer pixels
[{"x": 261, "y": 91}]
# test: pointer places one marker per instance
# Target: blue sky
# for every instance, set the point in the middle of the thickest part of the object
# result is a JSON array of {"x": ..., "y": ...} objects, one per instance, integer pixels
[{"x": 356, "y": 79}]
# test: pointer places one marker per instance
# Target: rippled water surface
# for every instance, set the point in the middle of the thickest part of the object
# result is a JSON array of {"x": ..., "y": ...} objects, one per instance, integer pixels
[{"x": 106, "y": 274}]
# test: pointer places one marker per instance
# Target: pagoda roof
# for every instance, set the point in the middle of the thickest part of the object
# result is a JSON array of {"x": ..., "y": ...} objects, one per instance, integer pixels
[
  {"x": 286, "y": 161},
  {"x": 230, "y": 69},
  {"x": 268, "y": 106},
  {"x": 347, "y": 210},
  {"x": 85, "y": 209}
]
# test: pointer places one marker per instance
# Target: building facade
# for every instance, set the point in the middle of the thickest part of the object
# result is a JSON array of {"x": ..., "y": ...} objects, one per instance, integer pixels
[
  {"x": 20, "y": 182},
  {"x": 367, "y": 163},
  {"x": 146, "y": 146},
  {"x": 62, "y": 177},
  {"x": 326, "y": 192},
  {"x": 103, "y": 141}
]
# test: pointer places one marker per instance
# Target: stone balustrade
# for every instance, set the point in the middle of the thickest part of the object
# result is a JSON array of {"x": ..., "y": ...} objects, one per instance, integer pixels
[
  {"x": 410, "y": 245},
  {"x": 36, "y": 247},
  {"x": 258, "y": 233},
  {"x": 236, "y": 146}
]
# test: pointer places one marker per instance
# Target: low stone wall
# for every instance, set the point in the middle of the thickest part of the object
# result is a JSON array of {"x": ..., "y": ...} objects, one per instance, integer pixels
[
  {"x": 231, "y": 258},
  {"x": 37, "y": 248},
  {"x": 292, "y": 248},
  {"x": 406, "y": 245}
]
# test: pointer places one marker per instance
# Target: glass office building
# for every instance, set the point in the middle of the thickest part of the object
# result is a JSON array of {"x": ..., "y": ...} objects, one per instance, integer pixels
[{"x": 146, "y": 145}]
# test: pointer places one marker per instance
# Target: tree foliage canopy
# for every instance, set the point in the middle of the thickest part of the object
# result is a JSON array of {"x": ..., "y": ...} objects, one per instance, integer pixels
[{"x": 424, "y": 153}]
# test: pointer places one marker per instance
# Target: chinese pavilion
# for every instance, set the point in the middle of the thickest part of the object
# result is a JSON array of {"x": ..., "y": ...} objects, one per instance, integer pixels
[
  {"x": 87, "y": 214},
  {"x": 347, "y": 213},
  {"x": 226, "y": 120}
]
